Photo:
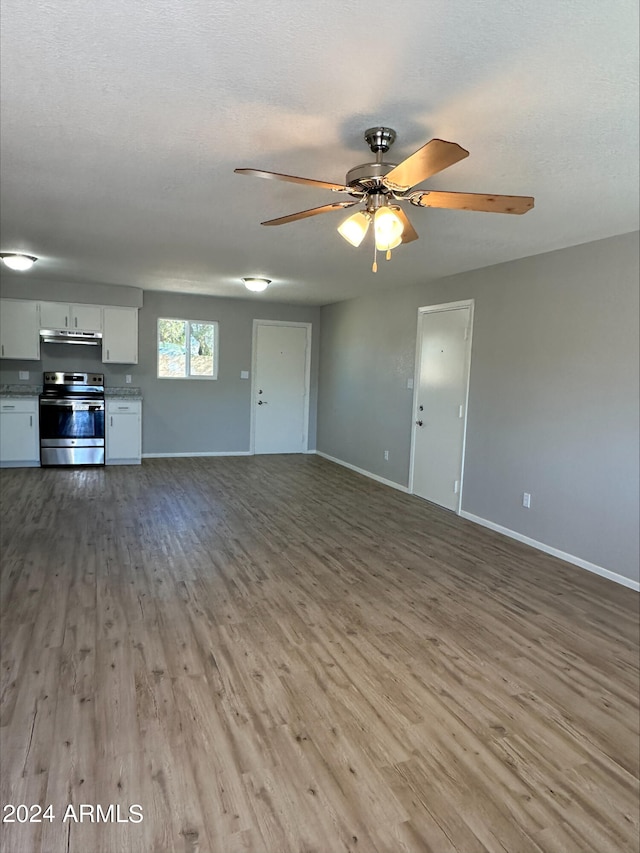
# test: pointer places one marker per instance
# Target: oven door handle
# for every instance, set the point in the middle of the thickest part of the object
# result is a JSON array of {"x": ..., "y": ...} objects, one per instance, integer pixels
[{"x": 75, "y": 405}]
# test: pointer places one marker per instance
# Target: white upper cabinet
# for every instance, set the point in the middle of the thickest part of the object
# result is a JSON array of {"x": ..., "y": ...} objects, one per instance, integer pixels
[
  {"x": 19, "y": 329},
  {"x": 120, "y": 335},
  {"x": 61, "y": 315},
  {"x": 22, "y": 319},
  {"x": 86, "y": 318},
  {"x": 54, "y": 315}
]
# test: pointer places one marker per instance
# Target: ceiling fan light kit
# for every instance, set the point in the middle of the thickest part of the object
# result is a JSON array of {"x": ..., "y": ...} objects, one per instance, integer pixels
[
  {"x": 382, "y": 185},
  {"x": 17, "y": 261},
  {"x": 354, "y": 229},
  {"x": 388, "y": 229}
]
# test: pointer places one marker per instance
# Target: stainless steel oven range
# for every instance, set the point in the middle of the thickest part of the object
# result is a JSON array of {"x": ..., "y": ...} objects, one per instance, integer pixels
[{"x": 72, "y": 419}]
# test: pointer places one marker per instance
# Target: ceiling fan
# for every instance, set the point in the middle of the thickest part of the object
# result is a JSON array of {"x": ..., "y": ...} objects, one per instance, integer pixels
[{"x": 381, "y": 185}]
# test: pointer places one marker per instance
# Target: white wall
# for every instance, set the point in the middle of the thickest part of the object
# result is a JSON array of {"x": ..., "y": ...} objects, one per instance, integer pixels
[{"x": 553, "y": 406}]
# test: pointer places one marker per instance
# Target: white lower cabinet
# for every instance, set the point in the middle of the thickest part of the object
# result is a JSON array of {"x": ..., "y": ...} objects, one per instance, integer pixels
[
  {"x": 123, "y": 432},
  {"x": 19, "y": 434}
]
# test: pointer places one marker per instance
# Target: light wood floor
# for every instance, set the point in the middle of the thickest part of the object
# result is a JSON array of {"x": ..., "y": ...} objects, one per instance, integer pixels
[{"x": 273, "y": 654}]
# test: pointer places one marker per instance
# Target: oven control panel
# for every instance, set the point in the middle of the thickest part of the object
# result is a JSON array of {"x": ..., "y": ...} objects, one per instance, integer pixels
[{"x": 60, "y": 378}]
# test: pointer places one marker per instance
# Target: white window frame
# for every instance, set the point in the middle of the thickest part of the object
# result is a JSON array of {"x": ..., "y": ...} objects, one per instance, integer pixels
[{"x": 213, "y": 323}]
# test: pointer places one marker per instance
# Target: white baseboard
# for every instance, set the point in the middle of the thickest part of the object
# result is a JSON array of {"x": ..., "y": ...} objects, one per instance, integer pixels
[
  {"x": 363, "y": 472},
  {"x": 512, "y": 534},
  {"x": 197, "y": 453},
  {"x": 555, "y": 552},
  {"x": 476, "y": 519},
  {"x": 206, "y": 453}
]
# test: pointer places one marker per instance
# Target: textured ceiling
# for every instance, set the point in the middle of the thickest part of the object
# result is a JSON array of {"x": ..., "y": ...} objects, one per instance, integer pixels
[{"x": 122, "y": 123}]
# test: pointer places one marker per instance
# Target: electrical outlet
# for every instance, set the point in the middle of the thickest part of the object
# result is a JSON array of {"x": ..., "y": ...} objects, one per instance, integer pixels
[
  {"x": 526, "y": 500},
  {"x": 386, "y": 456},
  {"x": 23, "y": 374},
  {"x": 127, "y": 378}
]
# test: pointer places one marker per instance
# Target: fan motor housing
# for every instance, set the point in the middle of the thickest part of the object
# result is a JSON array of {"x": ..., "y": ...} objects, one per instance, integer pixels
[
  {"x": 380, "y": 138},
  {"x": 368, "y": 176}
]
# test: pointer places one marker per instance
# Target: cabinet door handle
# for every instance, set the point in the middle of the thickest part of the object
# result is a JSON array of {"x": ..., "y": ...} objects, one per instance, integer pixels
[
  {"x": 111, "y": 424},
  {"x": 30, "y": 420},
  {"x": 107, "y": 355},
  {"x": 66, "y": 321},
  {"x": 75, "y": 322},
  {"x": 2, "y": 349},
  {"x": 124, "y": 407},
  {"x": 5, "y": 406}
]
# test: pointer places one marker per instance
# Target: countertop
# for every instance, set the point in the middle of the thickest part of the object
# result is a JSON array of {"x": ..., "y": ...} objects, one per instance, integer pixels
[
  {"x": 23, "y": 390},
  {"x": 125, "y": 393},
  {"x": 20, "y": 390}
]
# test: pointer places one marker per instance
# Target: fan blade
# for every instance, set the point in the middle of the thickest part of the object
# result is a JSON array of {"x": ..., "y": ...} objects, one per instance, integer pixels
[
  {"x": 433, "y": 157},
  {"x": 293, "y": 217},
  {"x": 276, "y": 176},
  {"x": 477, "y": 201},
  {"x": 409, "y": 233}
]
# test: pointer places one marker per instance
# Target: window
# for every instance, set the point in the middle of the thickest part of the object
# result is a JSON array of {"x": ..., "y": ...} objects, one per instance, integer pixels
[{"x": 187, "y": 349}]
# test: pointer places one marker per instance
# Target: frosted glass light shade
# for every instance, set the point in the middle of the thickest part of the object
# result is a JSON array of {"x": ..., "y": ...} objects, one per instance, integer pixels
[
  {"x": 355, "y": 228},
  {"x": 257, "y": 285},
  {"x": 388, "y": 229},
  {"x": 16, "y": 261}
]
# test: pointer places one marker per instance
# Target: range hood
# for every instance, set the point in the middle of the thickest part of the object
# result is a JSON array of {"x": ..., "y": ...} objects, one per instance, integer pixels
[{"x": 65, "y": 336}]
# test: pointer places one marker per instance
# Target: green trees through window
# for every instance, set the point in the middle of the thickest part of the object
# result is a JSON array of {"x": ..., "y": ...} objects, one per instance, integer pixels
[{"x": 187, "y": 349}]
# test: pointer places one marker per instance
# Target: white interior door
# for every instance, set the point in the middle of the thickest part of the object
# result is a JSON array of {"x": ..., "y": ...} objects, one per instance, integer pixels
[
  {"x": 443, "y": 359},
  {"x": 281, "y": 387}
]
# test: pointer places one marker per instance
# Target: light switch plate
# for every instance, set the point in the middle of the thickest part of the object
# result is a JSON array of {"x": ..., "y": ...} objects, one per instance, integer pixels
[
  {"x": 244, "y": 374},
  {"x": 127, "y": 378},
  {"x": 23, "y": 374}
]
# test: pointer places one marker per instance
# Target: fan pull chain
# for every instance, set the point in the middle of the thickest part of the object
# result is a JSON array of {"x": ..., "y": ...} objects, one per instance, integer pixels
[
  {"x": 374, "y": 268},
  {"x": 388, "y": 254}
]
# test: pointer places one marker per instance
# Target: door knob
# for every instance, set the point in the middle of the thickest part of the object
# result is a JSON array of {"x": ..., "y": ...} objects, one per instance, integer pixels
[{"x": 419, "y": 423}]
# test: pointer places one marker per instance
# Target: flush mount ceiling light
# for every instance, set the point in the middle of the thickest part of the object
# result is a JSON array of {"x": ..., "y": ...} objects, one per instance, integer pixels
[
  {"x": 382, "y": 185},
  {"x": 257, "y": 285},
  {"x": 17, "y": 261}
]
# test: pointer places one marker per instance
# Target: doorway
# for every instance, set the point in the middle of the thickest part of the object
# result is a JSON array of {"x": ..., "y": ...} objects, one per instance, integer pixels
[
  {"x": 280, "y": 387},
  {"x": 443, "y": 361}
]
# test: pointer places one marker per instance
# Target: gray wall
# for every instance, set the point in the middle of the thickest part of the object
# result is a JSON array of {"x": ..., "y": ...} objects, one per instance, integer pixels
[
  {"x": 179, "y": 416},
  {"x": 58, "y": 356},
  {"x": 25, "y": 286},
  {"x": 189, "y": 416},
  {"x": 553, "y": 406}
]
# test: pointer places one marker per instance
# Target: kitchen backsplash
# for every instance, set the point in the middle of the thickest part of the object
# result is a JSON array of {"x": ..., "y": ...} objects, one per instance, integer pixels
[{"x": 66, "y": 357}]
